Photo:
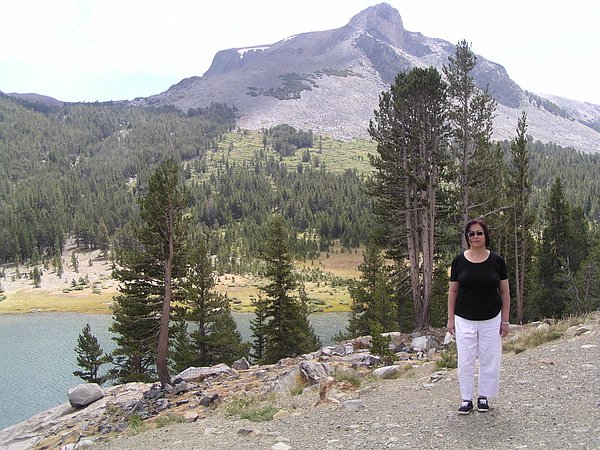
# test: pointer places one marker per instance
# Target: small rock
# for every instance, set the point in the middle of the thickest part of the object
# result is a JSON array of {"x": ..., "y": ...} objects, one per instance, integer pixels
[
  {"x": 181, "y": 387},
  {"x": 190, "y": 416},
  {"x": 208, "y": 400},
  {"x": 543, "y": 328},
  {"x": 281, "y": 414},
  {"x": 248, "y": 432},
  {"x": 280, "y": 446},
  {"x": 354, "y": 405}
]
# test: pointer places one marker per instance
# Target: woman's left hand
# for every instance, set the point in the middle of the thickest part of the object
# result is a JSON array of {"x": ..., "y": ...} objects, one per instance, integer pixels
[{"x": 504, "y": 329}]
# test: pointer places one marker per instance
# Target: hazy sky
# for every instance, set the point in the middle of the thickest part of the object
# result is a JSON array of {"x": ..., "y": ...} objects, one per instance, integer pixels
[{"x": 88, "y": 50}]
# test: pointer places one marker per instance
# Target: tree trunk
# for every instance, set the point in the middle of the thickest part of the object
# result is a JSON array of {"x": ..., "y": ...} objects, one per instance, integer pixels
[{"x": 162, "y": 367}]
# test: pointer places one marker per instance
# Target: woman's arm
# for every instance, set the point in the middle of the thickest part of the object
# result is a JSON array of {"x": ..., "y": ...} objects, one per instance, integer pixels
[
  {"x": 505, "y": 297},
  {"x": 452, "y": 293}
]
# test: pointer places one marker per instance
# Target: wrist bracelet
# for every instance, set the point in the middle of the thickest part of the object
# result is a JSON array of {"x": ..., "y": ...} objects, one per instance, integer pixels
[{"x": 505, "y": 323}]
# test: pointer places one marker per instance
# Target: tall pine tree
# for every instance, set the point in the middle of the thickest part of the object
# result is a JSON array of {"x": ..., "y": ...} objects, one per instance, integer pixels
[
  {"x": 372, "y": 296},
  {"x": 215, "y": 338},
  {"x": 150, "y": 273},
  {"x": 287, "y": 331},
  {"x": 410, "y": 131},
  {"x": 520, "y": 191},
  {"x": 470, "y": 115}
]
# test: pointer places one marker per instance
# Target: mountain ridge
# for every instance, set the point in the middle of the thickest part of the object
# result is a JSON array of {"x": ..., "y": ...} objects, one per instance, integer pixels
[{"x": 330, "y": 81}]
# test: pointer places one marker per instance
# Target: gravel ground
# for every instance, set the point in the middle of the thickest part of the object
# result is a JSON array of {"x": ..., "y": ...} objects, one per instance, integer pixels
[{"x": 550, "y": 399}]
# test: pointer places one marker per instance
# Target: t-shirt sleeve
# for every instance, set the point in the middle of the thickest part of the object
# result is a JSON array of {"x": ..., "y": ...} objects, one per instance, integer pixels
[{"x": 454, "y": 270}]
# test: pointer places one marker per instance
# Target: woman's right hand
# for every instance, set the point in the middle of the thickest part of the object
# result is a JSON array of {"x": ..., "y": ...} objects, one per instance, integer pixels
[{"x": 450, "y": 326}]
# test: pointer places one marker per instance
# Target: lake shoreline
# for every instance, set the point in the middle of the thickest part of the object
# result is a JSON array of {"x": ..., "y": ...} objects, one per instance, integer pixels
[{"x": 38, "y": 354}]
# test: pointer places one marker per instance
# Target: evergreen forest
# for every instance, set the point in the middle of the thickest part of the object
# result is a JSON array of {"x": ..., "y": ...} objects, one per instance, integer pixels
[{"x": 78, "y": 172}]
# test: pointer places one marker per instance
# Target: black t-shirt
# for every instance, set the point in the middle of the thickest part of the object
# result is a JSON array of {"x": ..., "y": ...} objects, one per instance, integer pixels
[{"x": 478, "y": 286}]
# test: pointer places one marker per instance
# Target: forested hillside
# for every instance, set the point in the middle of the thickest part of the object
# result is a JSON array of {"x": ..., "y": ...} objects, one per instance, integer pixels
[{"x": 76, "y": 171}]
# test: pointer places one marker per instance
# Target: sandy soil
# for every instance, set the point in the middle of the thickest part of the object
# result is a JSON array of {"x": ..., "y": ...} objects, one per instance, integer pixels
[{"x": 90, "y": 289}]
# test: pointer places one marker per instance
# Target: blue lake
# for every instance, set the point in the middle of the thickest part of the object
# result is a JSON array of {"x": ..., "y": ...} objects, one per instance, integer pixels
[{"x": 37, "y": 355}]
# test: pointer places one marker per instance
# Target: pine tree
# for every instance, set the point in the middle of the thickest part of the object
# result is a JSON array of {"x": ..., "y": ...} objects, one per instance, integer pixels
[
  {"x": 74, "y": 262},
  {"x": 561, "y": 251},
  {"x": 584, "y": 286},
  {"x": 520, "y": 186},
  {"x": 150, "y": 273},
  {"x": 258, "y": 327},
  {"x": 182, "y": 355},
  {"x": 90, "y": 357},
  {"x": 380, "y": 345},
  {"x": 103, "y": 239},
  {"x": 470, "y": 115},
  {"x": 410, "y": 131},
  {"x": 288, "y": 331},
  {"x": 36, "y": 277},
  {"x": 372, "y": 296},
  {"x": 215, "y": 338}
]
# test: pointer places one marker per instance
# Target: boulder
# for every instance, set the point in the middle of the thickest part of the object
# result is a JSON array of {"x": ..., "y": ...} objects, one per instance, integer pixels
[
  {"x": 577, "y": 330},
  {"x": 362, "y": 342},
  {"x": 424, "y": 343},
  {"x": 241, "y": 364},
  {"x": 190, "y": 416},
  {"x": 386, "y": 372},
  {"x": 313, "y": 372},
  {"x": 289, "y": 381},
  {"x": 337, "y": 350},
  {"x": 362, "y": 360},
  {"x": 84, "y": 394},
  {"x": 201, "y": 373}
]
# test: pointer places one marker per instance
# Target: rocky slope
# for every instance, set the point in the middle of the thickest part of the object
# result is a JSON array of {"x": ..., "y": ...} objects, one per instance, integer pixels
[
  {"x": 549, "y": 399},
  {"x": 330, "y": 81}
]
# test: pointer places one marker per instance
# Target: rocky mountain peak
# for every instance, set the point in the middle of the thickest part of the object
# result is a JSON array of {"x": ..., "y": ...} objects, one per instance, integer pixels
[
  {"x": 382, "y": 22},
  {"x": 329, "y": 81}
]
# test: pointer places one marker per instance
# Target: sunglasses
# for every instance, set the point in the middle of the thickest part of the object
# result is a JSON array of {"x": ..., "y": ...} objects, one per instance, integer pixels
[{"x": 475, "y": 233}]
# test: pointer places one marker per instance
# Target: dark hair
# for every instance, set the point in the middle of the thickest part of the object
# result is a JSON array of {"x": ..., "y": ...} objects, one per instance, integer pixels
[{"x": 482, "y": 224}]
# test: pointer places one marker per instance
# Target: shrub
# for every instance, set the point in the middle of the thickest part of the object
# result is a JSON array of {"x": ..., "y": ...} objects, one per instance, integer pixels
[
  {"x": 136, "y": 423},
  {"x": 449, "y": 358},
  {"x": 380, "y": 345},
  {"x": 168, "y": 419}
]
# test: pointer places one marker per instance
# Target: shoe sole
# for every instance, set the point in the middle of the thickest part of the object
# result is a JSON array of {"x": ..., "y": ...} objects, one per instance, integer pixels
[
  {"x": 464, "y": 413},
  {"x": 483, "y": 410}
]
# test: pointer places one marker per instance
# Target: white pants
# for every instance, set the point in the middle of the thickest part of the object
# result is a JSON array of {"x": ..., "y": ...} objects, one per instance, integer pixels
[{"x": 478, "y": 339}]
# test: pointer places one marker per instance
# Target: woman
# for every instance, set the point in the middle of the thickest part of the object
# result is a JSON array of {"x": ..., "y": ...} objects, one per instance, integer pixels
[{"x": 478, "y": 309}]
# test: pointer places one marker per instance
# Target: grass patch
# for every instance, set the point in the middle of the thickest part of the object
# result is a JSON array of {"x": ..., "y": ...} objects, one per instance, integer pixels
[
  {"x": 136, "y": 424},
  {"x": 298, "y": 390},
  {"x": 255, "y": 409},
  {"x": 27, "y": 300},
  {"x": 349, "y": 377},
  {"x": 536, "y": 336},
  {"x": 532, "y": 339},
  {"x": 167, "y": 419},
  {"x": 337, "y": 155}
]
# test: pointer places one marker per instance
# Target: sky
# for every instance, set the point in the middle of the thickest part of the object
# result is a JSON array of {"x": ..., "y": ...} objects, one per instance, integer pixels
[{"x": 99, "y": 50}]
